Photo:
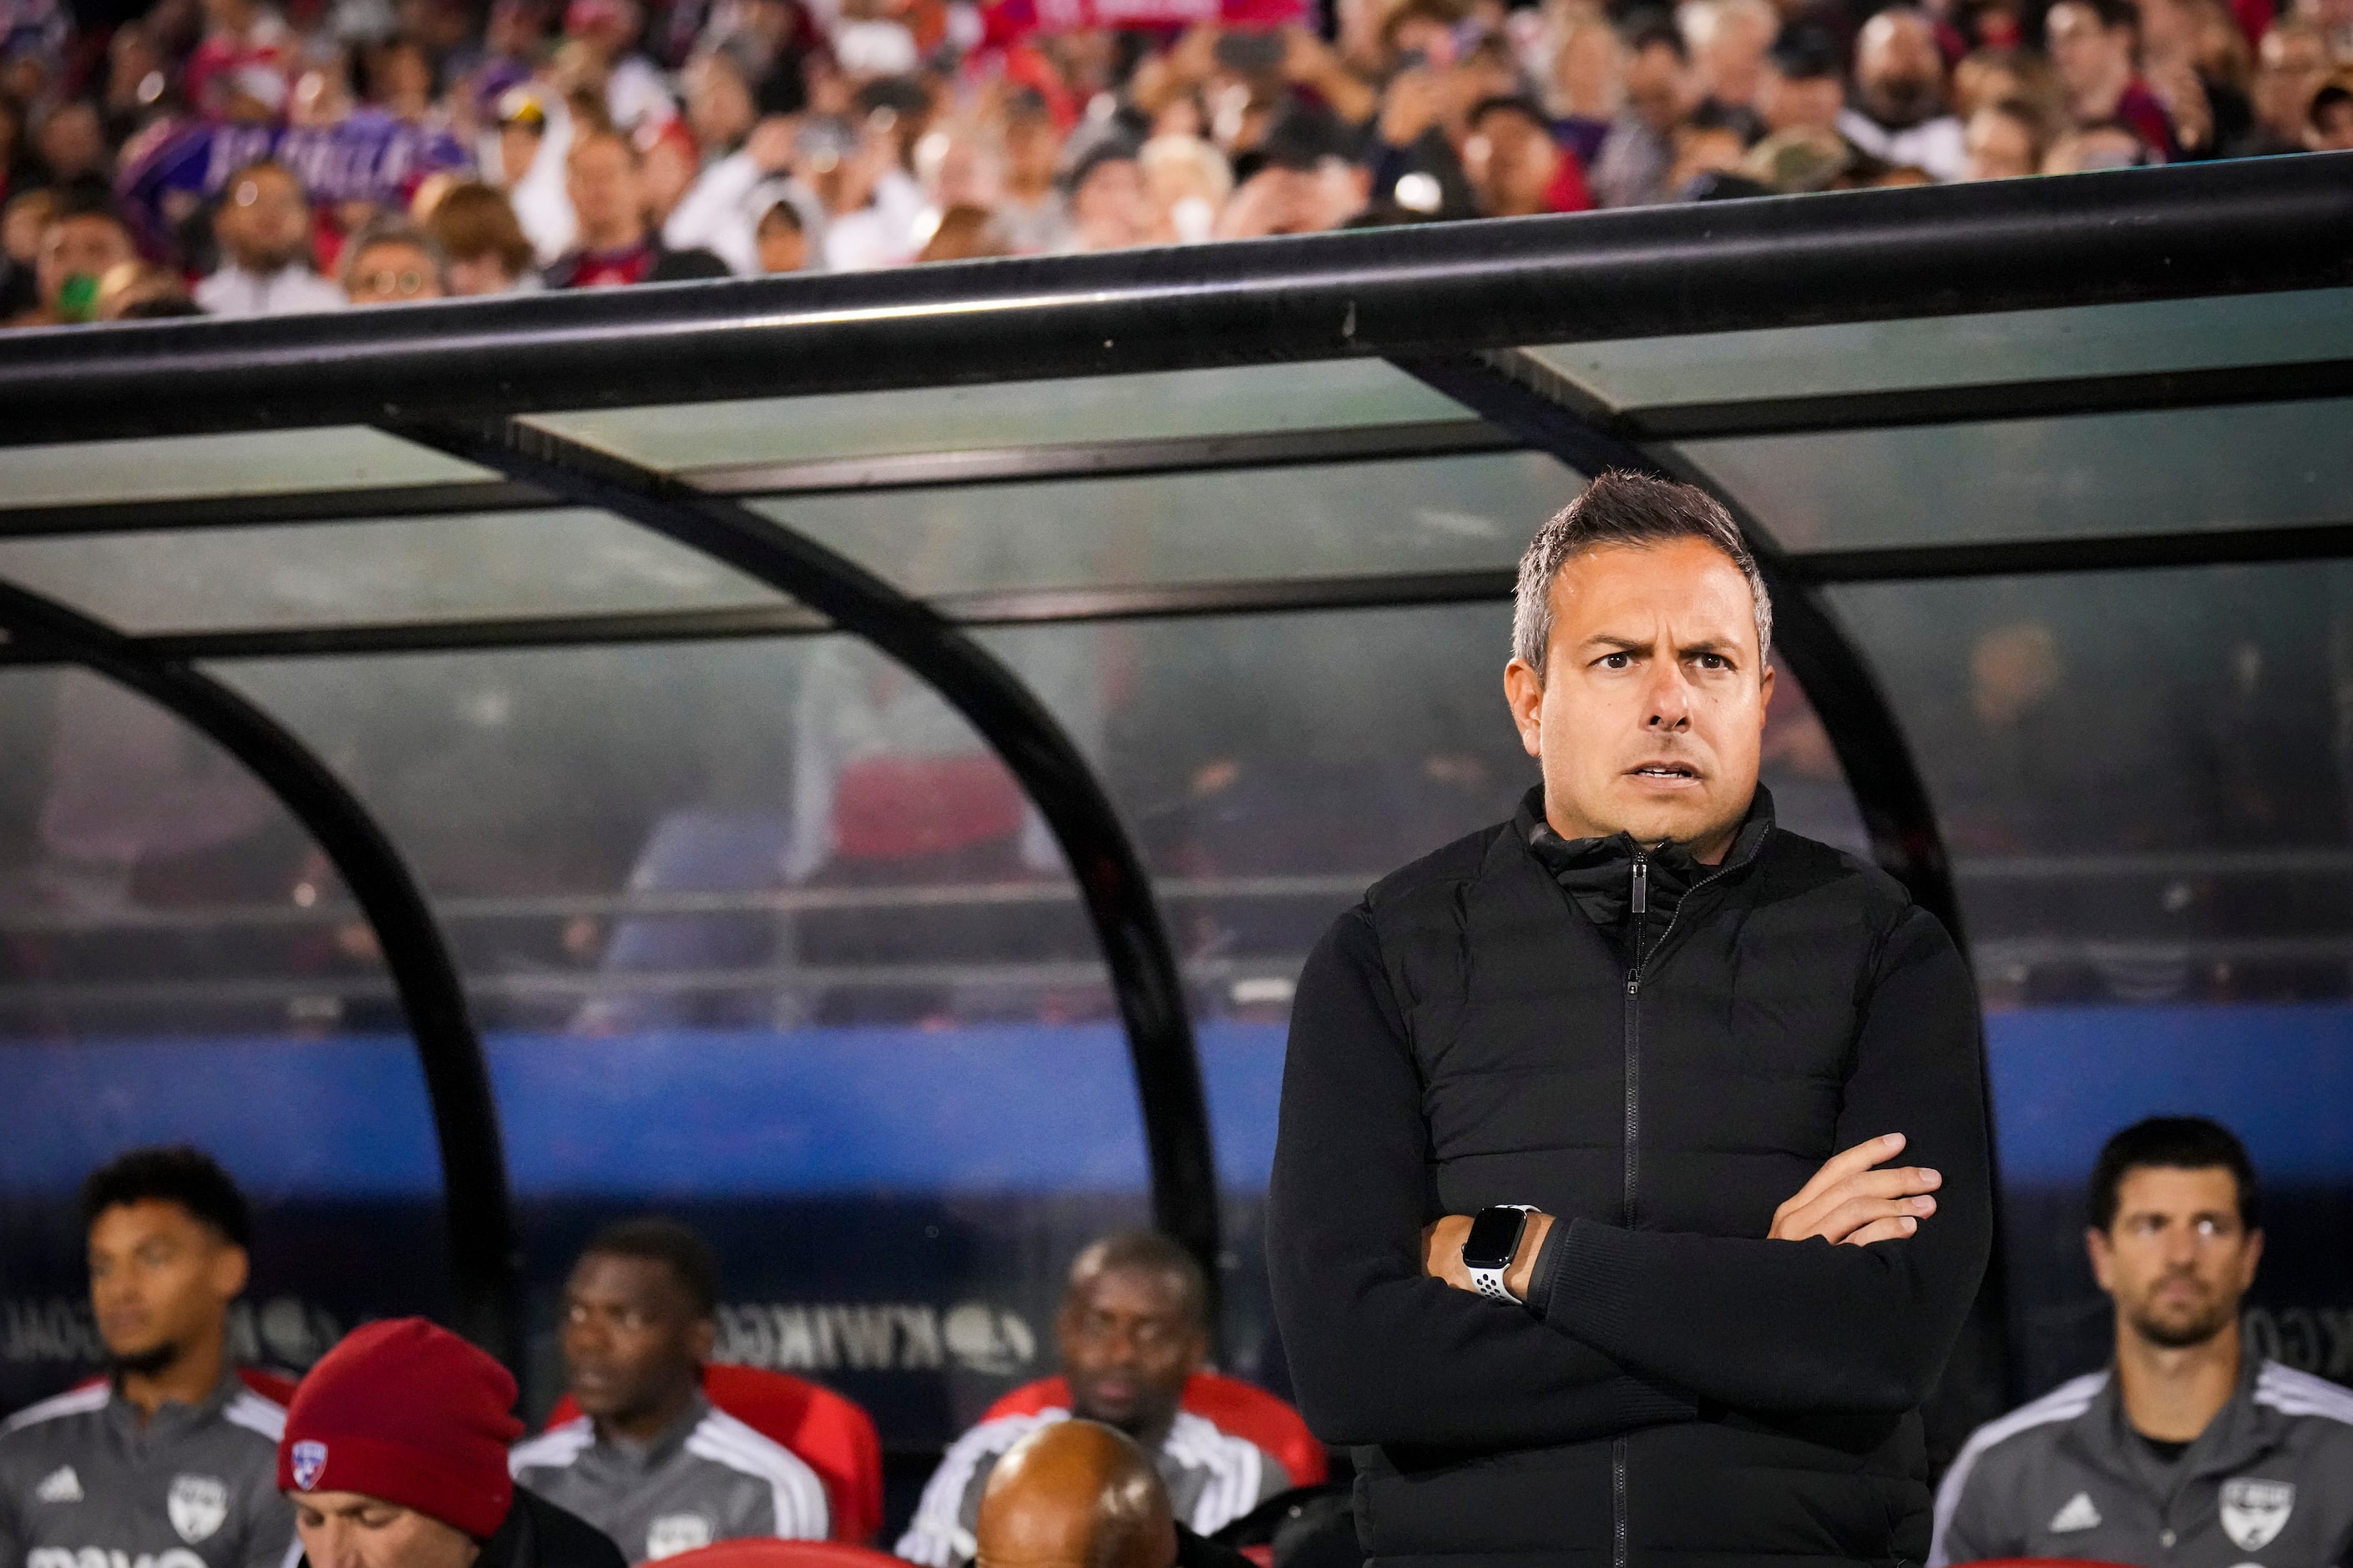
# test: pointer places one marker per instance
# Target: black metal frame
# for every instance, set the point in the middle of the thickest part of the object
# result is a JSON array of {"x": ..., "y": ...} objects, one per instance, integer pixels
[
  {"x": 1042, "y": 757},
  {"x": 484, "y": 1257}
]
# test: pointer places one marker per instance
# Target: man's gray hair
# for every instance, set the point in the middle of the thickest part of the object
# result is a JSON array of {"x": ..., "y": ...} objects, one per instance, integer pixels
[{"x": 1621, "y": 507}]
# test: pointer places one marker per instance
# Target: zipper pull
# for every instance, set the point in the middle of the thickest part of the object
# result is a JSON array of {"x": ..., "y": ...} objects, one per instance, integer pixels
[
  {"x": 1642, "y": 886},
  {"x": 1633, "y": 985}
]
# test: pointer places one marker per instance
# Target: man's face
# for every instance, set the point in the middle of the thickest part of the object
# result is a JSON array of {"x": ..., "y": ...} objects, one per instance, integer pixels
[
  {"x": 1657, "y": 87},
  {"x": 160, "y": 1282},
  {"x": 72, "y": 140},
  {"x": 393, "y": 271},
  {"x": 782, "y": 247},
  {"x": 346, "y": 1530},
  {"x": 1128, "y": 1343},
  {"x": 718, "y": 104},
  {"x": 1512, "y": 162},
  {"x": 1109, "y": 208},
  {"x": 1792, "y": 103},
  {"x": 2085, "y": 53},
  {"x": 1999, "y": 147},
  {"x": 2294, "y": 64},
  {"x": 1651, "y": 712},
  {"x": 2176, "y": 1259},
  {"x": 264, "y": 222},
  {"x": 83, "y": 247},
  {"x": 603, "y": 181},
  {"x": 632, "y": 1341},
  {"x": 1899, "y": 70}
]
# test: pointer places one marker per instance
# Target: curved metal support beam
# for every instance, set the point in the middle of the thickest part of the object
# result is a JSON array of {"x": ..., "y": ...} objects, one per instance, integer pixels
[
  {"x": 479, "y": 1216},
  {"x": 993, "y": 699}
]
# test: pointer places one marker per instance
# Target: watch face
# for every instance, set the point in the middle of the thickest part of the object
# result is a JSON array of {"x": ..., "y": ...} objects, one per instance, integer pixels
[{"x": 1494, "y": 1236}]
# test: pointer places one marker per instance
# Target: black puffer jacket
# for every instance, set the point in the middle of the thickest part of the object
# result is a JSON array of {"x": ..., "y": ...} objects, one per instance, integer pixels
[{"x": 1687, "y": 1391}]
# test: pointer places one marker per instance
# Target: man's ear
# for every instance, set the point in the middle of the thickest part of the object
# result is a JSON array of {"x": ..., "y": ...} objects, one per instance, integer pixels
[
  {"x": 2255, "y": 1257},
  {"x": 2096, "y": 1243},
  {"x": 1524, "y": 689},
  {"x": 230, "y": 1271},
  {"x": 702, "y": 1340},
  {"x": 1765, "y": 686}
]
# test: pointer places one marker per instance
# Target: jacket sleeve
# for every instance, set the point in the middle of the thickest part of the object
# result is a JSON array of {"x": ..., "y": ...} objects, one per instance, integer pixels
[
  {"x": 1379, "y": 1353},
  {"x": 1806, "y": 1326},
  {"x": 1970, "y": 1519}
]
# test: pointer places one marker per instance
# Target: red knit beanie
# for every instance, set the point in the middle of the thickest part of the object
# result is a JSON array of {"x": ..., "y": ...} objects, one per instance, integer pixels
[{"x": 409, "y": 1414}]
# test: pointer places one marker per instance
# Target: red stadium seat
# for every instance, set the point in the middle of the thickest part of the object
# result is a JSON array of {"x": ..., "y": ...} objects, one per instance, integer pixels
[
  {"x": 1226, "y": 1403},
  {"x": 829, "y": 1434},
  {"x": 784, "y": 1554}
]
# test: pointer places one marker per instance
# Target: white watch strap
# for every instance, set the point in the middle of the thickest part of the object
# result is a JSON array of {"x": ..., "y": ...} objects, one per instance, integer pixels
[{"x": 1489, "y": 1281}]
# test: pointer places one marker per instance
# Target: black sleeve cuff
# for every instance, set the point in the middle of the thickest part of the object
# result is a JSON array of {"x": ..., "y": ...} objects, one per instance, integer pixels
[{"x": 1547, "y": 1261}]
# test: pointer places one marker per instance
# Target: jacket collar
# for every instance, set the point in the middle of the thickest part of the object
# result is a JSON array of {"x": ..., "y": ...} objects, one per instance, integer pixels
[
  {"x": 1597, "y": 873},
  {"x": 2241, "y": 1432}
]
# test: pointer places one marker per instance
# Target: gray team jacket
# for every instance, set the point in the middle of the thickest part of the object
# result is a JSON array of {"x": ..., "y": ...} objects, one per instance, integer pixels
[
  {"x": 1213, "y": 1477},
  {"x": 2269, "y": 1483},
  {"x": 709, "y": 1478},
  {"x": 84, "y": 1484}
]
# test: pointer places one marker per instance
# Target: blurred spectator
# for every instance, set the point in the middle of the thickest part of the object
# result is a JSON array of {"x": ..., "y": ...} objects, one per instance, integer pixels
[
  {"x": 81, "y": 239},
  {"x": 2094, "y": 48},
  {"x": 21, "y": 223},
  {"x": 1515, "y": 167},
  {"x": 2332, "y": 119},
  {"x": 141, "y": 290},
  {"x": 71, "y": 143},
  {"x": 1900, "y": 116},
  {"x": 963, "y": 234},
  {"x": 1109, "y": 207},
  {"x": 2005, "y": 139},
  {"x": 2291, "y": 65},
  {"x": 1585, "y": 87},
  {"x": 2088, "y": 149},
  {"x": 392, "y": 261},
  {"x": 1133, "y": 1330},
  {"x": 649, "y": 1461},
  {"x": 484, "y": 247},
  {"x": 2196, "y": 63},
  {"x": 1728, "y": 40},
  {"x": 395, "y": 1454},
  {"x": 783, "y": 238},
  {"x": 263, "y": 226},
  {"x": 1638, "y": 155},
  {"x": 1800, "y": 87},
  {"x": 605, "y": 175}
]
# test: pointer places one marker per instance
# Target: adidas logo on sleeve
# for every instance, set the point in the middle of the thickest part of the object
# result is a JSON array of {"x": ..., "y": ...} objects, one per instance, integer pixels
[{"x": 60, "y": 1485}]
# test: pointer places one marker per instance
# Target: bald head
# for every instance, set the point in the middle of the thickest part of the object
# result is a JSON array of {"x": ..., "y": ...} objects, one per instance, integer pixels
[{"x": 1076, "y": 1494}]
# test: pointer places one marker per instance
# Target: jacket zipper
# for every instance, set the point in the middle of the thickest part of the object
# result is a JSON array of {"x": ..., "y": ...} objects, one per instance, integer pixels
[{"x": 1639, "y": 904}]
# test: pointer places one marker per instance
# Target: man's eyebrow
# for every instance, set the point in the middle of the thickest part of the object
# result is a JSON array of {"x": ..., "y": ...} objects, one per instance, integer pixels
[{"x": 1623, "y": 644}]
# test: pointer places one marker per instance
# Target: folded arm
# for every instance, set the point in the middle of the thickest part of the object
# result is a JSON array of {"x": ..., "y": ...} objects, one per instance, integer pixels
[
  {"x": 1775, "y": 1325},
  {"x": 1380, "y": 1353}
]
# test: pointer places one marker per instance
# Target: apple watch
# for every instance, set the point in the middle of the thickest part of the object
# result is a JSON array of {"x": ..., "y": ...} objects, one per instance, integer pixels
[{"x": 1494, "y": 1242}]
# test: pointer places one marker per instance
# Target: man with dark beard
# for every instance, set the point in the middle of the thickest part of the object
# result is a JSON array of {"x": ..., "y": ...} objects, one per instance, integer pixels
[
  {"x": 1899, "y": 114},
  {"x": 2187, "y": 1450},
  {"x": 173, "y": 1461},
  {"x": 1133, "y": 1330}
]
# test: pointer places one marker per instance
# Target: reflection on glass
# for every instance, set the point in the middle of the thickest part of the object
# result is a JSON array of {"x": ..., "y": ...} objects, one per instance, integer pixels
[
  {"x": 179, "y": 468},
  {"x": 1414, "y": 515},
  {"x": 1331, "y": 394},
  {"x": 2142, "y": 776},
  {"x": 766, "y": 835},
  {"x": 2042, "y": 479},
  {"x": 1997, "y": 346},
  {"x": 178, "y": 964},
  {"x": 482, "y": 564}
]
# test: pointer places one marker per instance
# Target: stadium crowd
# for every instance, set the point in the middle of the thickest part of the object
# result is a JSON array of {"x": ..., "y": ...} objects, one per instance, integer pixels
[{"x": 230, "y": 157}]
